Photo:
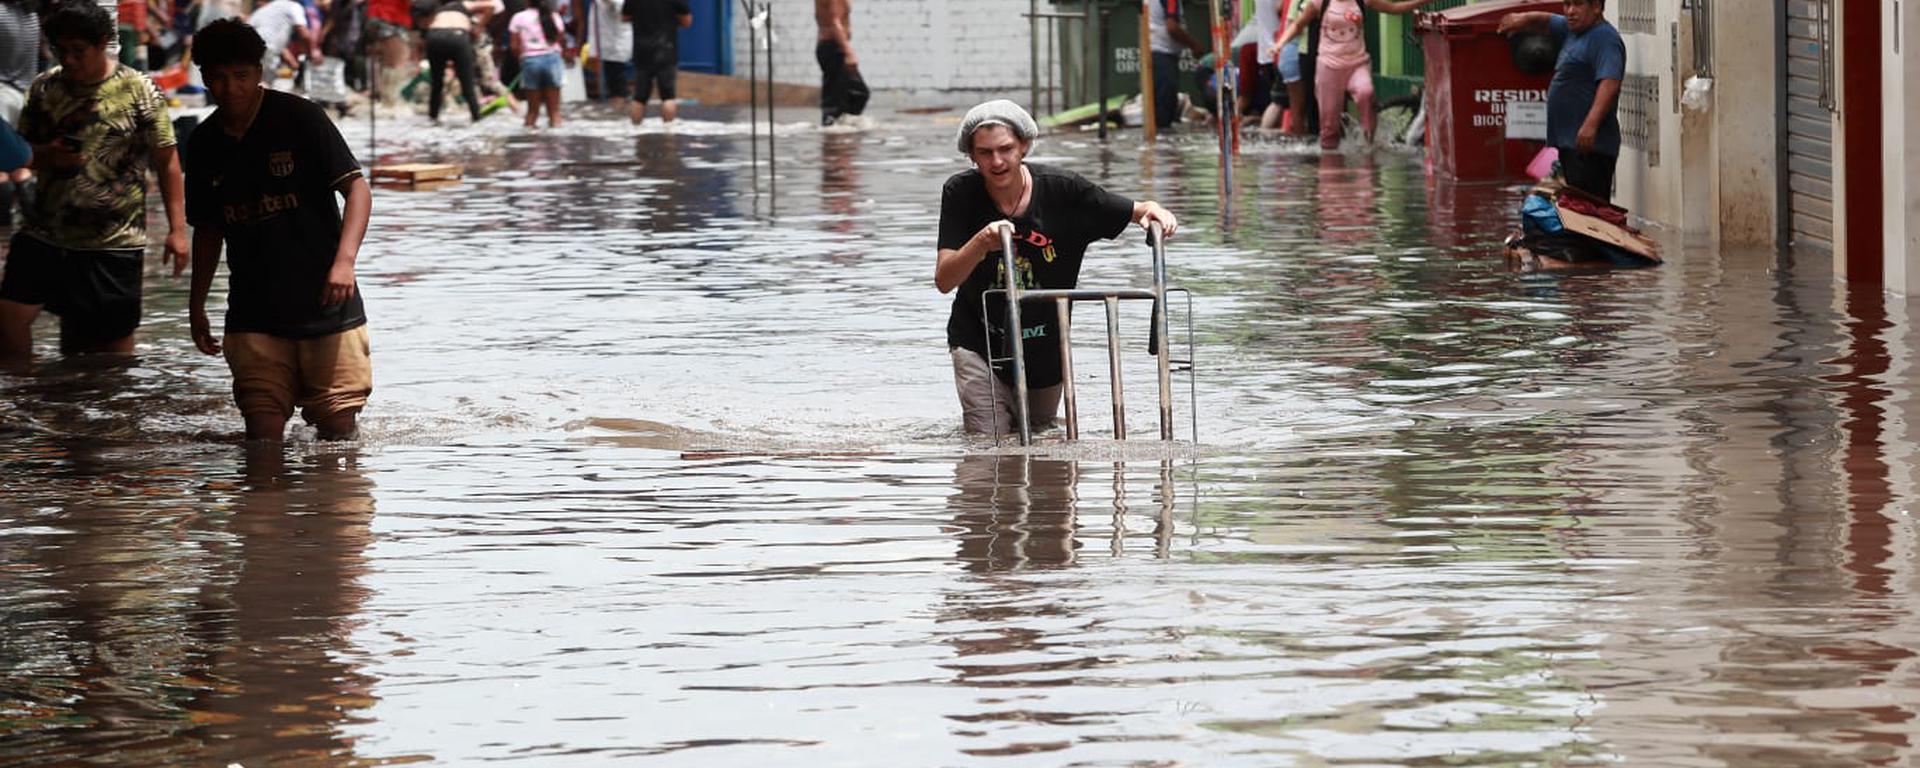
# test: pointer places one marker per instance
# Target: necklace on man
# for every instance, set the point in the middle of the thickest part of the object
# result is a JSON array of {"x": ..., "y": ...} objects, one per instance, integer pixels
[{"x": 1026, "y": 191}]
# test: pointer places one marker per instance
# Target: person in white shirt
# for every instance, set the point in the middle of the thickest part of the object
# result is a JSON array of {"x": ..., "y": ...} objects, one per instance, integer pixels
[{"x": 278, "y": 23}]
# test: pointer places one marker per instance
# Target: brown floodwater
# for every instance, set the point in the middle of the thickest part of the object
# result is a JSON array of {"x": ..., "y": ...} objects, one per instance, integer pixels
[{"x": 661, "y": 468}]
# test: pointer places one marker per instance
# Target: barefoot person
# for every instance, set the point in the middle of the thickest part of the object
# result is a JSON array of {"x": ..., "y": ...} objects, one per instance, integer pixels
[
  {"x": 656, "y": 53},
  {"x": 1342, "y": 66},
  {"x": 843, "y": 92},
  {"x": 1054, "y": 215},
  {"x": 536, "y": 41},
  {"x": 95, "y": 128},
  {"x": 450, "y": 43},
  {"x": 261, "y": 181}
]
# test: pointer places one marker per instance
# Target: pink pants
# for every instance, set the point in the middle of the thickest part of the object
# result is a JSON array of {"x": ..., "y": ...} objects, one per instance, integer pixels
[{"x": 1330, "y": 88}]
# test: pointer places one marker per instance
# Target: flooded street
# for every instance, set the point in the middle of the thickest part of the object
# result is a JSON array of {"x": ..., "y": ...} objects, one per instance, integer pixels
[{"x": 658, "y": 469}]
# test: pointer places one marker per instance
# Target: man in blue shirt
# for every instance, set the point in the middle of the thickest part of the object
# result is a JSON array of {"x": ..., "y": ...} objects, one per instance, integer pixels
[{"x": 1582, "y": 120}]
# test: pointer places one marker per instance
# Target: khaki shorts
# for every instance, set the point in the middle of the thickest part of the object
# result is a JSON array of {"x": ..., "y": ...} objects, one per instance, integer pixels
[
  {"x": 325, "y": 376},
  {"x": 979, "y": 388}
]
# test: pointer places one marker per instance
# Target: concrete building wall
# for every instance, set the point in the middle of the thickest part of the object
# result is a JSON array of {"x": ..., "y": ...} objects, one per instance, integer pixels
[
  {"x": 1718, "y": 172},
  {"x": 1841, "y": 232},
  {"x": 1900, "y": 202},
  {"x": 1647, "y": 179},
  {"x": 1745, "y": 166},
  {"x": 914, "y": 46}
]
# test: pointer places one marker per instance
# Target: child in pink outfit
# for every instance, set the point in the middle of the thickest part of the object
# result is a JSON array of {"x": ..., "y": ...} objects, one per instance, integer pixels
[{"x": 1342, "y": 67}]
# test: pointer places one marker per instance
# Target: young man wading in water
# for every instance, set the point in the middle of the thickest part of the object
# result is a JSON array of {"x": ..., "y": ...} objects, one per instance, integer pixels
[
  {"x": 1583, "y": 122},
  {"x": 261, "y": 180},
  {"x": 95, "y": 127},
  {"x": 1054, "y": 215}
]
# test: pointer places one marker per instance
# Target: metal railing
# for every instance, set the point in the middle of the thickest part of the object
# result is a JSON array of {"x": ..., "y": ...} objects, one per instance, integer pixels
[
  {"x": 1063, "y": 299},
  {"x": 1055, "y": 85}
]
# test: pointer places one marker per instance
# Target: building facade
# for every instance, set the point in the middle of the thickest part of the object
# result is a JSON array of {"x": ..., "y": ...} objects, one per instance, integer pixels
[
  {"x": 909, "y": 47},
  {"x": 1803, "y": 144}
]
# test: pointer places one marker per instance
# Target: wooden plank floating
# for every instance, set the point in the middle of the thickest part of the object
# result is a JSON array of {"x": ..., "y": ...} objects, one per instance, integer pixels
[
  {"x": 421, "y": 176},
  {"x": 708, "y": 454}
]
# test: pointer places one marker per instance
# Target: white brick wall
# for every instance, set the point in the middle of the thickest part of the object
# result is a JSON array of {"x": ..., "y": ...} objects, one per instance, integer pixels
[{"x": 911, "y": 46}]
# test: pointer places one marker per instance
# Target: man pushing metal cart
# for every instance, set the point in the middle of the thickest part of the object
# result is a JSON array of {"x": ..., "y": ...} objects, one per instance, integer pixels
[
  {"x": 1039, "y": 220},
  {"x": 1062, "y": 300}
]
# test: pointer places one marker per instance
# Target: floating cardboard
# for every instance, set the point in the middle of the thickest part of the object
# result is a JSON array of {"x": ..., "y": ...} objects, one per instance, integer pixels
[{"x": 1606, "y": 232}]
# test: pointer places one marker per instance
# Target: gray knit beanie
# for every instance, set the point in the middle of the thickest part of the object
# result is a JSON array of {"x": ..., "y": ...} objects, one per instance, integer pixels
[{"x": 996, "y": 112}]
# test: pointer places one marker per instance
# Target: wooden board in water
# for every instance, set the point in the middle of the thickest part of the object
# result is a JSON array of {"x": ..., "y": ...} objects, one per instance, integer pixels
[
  {"x": 414, "y": 173},
  {"x": 429, "y": 185},
  {"x": 717, "y": 453}
]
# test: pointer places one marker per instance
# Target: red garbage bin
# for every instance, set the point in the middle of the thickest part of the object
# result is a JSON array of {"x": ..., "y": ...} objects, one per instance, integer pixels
[{"x": 1473, "y": 92}]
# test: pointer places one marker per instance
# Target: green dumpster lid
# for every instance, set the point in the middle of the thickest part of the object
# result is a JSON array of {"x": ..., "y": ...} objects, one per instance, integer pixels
[{"x": 1478, "y": 18}]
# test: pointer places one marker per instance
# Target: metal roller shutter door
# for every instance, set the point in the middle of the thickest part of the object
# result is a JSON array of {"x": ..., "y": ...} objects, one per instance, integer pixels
[{"x": 1809, "y": 125}]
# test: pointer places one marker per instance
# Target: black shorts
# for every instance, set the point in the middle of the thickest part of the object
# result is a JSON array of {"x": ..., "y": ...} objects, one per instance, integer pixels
[
  {"x": 95, "y": 293},
  {"x": 655, "y": 67},
  {"x": 1276, "y": 85},
  {"x": 618, "y": 75}
]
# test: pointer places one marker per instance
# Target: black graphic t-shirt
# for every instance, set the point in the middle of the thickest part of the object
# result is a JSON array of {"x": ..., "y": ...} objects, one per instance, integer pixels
[
  {"x": 656, "y": 23},
  {"x": 271, "y": 192},
  {"x": 1064, "y": 215}
]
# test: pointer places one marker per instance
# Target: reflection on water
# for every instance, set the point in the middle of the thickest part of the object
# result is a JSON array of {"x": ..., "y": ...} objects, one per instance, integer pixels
[
  {"x": 655, "y": 474},
  {"x": 201, "y": 619}
]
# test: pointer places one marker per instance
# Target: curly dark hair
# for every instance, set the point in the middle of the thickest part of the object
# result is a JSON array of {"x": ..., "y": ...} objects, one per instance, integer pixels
[
  {"x": 228, "y": 41},
  {"x": 79, "y": 20}
]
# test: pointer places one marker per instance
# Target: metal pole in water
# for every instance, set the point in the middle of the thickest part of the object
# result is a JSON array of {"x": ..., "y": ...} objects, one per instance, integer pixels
[
  {"x": 1100, "y": 88},
  {"x": 753, "y": 91},
  {"x": 1016, "y": 338},
  {"x": 373, "y": 104},
  {"x": 1224, "y": 96},
  {"x": 1113, "y": 368},
  {"x": 1053, "y": 66},
  {"x": 1220, "y": 54},
  {"x": 1089, "y": 55},
  {"x": 1033, "y": 55},
  {"x": 1164, "y": 352},
  {"x": 1063, "y": 307},
  {"x": 1149, "y": 125},
  {"x": 773, "y": 165},
  {"x": 1234, "y": 24},
  {"x": 599, "y": 51}
]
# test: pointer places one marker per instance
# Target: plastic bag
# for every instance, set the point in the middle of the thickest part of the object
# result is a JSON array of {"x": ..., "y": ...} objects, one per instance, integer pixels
[
  {"x": 1697, "y": 94},
  {"x": 1538, "y": 216},
  {"x": 327, "y": 81}
]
